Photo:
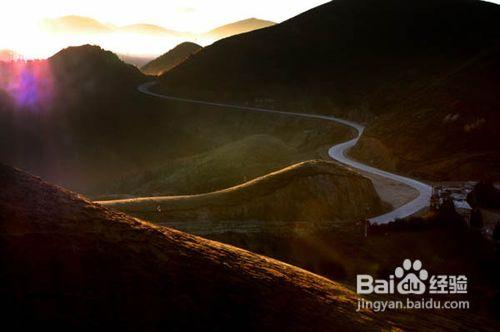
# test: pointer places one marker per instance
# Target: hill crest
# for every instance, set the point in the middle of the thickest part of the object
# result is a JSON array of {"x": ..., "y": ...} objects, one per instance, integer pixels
[
  {"x": 171, "y": 278},
  {"x": 171, "y": 59}
]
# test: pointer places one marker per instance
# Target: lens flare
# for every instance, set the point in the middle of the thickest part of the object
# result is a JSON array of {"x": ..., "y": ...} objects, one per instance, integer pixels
[{"x": 29, "y": 83}]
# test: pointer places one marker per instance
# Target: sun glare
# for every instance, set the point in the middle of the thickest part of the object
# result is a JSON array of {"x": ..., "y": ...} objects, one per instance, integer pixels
[
  {"x": 28, "y": 83},
  {"x": 23, "y": 31}
]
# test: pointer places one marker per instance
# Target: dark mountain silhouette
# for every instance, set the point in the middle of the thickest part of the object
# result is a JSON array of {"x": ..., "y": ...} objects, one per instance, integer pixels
[
  {"x": 70, "y": 264},
  {"x": 171, "y": 59},
  {"x": 237, "y": 28},
  {"x": 364, "y": 59},
  {"x": 91, "y": 69},
  {"x": 59, "y": 114},
  {"x": 458, "y": 113}
]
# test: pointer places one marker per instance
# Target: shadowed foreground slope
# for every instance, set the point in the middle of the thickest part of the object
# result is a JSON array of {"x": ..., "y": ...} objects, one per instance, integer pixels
[{"x": 69, "y": 263}]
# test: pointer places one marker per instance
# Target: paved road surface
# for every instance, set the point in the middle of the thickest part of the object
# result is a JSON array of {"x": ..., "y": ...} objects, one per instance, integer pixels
[{"x": 336, "y": 152}]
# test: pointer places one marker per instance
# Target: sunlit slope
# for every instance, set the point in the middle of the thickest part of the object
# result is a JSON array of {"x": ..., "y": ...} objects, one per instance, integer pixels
[
  {"x": 83, "y": 266},
  {"x": 313, "y": 191},
  {"x": 225, "y": 166},
  {"x": 171, "y": 59}
]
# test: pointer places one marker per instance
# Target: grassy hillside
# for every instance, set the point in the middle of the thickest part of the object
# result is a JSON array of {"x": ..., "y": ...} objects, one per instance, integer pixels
[
  {"x": 232, "y": 163},
  {"x": 171, "y": 59},
  {"x": 80, "y": 266},
  {"x": 208, "y": 149},
  {"x": 459, "y": 113},
  {"x": 406, "y": 64},
  {"x": 218, "y": 168},
  {"x": 84, "y": 125},
  {"x": 70, "y": 264},
  {"x": 313, "y": 192}
]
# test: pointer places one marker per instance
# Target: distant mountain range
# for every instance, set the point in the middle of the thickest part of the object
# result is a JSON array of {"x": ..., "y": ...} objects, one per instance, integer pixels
[
  {"x": 150, "y": 29},
  {"x": 181, "y": 52},
  {"x": 72, "y": 24},
  {"x": 139, "y": 43},
  {"x": 406, "y": 67},
  {"x": 82, "y": 24}
]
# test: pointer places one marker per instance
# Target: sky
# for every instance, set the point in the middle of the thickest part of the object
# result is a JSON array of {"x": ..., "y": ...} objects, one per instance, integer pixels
[
  {"x": 19, "y": 19},
  {"x": 187, "y": 15}
]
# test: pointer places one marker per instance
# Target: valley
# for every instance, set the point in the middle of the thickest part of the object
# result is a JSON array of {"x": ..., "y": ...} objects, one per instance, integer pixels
[{"x": 247, "y": 177}]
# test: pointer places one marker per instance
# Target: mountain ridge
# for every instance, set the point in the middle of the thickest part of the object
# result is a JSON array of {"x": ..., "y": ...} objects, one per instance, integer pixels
[
  {"x": 76, "y": 24},
  {"x": 171, "y": 59},
  {"x": 319, "y": 192}
]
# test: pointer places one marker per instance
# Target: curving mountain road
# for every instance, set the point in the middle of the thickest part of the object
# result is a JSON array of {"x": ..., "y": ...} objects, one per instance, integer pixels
[{"x": 337, "y": 152}]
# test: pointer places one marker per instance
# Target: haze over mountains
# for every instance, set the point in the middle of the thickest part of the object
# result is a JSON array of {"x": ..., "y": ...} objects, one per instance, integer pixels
[
  {"x": 75, "y": 25},
  {"x": 82, "y": 24},
  {"x": 237, "y": 28},
  {"x": 406, "y": 65},
  {"x": 136, "y": 41}
]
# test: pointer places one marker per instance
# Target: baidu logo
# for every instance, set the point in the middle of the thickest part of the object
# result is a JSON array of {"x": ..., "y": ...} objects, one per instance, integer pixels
[{"x": 412, "y": 279}]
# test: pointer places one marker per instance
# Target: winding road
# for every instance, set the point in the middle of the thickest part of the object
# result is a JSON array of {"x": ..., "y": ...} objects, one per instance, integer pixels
[{"x": 336, "y": 152}]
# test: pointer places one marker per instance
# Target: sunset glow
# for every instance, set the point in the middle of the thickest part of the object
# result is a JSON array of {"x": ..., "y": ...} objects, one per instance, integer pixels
[{"x": 24, "y": 31}]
